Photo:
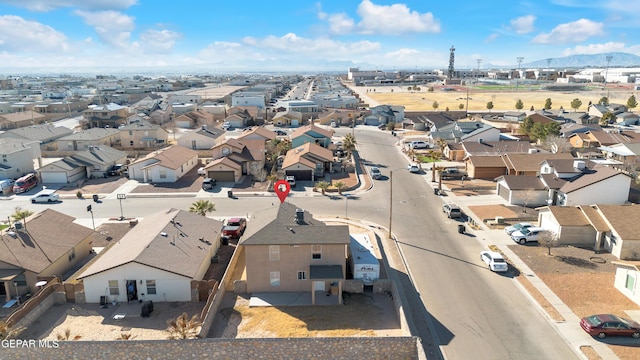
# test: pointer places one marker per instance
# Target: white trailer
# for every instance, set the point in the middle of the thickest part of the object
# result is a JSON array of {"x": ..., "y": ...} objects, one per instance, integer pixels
[{"x": 364, "y": 263}]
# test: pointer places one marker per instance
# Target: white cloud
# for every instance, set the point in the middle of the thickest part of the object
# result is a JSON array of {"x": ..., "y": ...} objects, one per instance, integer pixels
[
  {"x": 20, "y": 35},
  {"x": 575, "y": 31},
  {"x": 340, "y": 23},
  {"x": 394, "y": 19},
  {"x": 602, "y": 48},
  {"x": 381, "y": 19},
  {"x": 113, "y": 27},
  {"x": 491, "y": 37},
  {"x": 324, "y": 47},
  {"x": 523, "y": 24},
  {"x": 48, "y": 5},
  {"x": 159, "y": 41}
]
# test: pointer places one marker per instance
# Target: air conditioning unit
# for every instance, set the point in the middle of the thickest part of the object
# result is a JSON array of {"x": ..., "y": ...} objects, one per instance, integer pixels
[
  {"x": 534, "y": 151},
  {"x": 499, "y": 220}
]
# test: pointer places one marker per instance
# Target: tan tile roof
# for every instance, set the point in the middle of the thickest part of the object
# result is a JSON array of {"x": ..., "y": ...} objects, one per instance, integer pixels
[
  {"x": 50, "y": 236},
  {"x": 303, "y": 130},
  {"x": 569, "y": 216},
  {"x": 486, "y": 161},
  {"x": 523, "y": 182},
  {"x": 169, "y": 240},
  {"x": 589, "y": 177},
  {"x": 172, "y": 157},
  {"x": 530, "y": 162},
  {"x": 259, "y": 130},
  {"x": 22, "y": 116},
  {"x": 620, "y": 219},
  {"x": 594, "y": 218},
  {"x": 223, "y": 161}
]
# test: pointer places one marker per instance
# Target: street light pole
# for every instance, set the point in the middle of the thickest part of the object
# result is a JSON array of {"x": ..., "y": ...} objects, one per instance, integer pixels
[
  {"x": 89, "y": 209},
  {"x": 121, "y": 197},
  {"x": 479, "y": 61},
  {"x": 346, "y": 206},
  {"x": 606, "y": 73}
]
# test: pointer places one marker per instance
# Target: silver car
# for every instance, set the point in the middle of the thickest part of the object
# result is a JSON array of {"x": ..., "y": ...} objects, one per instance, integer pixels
[{"x": 517, "y": 227}]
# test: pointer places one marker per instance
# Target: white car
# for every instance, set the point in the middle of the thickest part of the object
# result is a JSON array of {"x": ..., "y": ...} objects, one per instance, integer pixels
[
  {"x": 413, "y": 168},
  {"x": 375, "y": 172},
  {"x": 527, "y": 235},
  {"x": 516, "y": 227},
  {"x": 45, "y": 197},
  {"x": 291, "y": 180},
  {"x": 494, "y": 261},
  {"x": 201, "y": 171},
  {"x": 419, "y": 144}
]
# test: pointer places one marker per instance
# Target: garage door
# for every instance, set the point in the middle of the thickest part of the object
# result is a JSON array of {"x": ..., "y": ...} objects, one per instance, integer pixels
[
  {"x": 301, "y": 175},
  {"x": 54, "y": 177},
  {"x": 223, "y": 176},
  {"x": 503, "y": 192}
]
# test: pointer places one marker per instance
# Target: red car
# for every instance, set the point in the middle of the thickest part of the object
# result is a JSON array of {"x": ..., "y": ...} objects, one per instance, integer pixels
[{"x": 604, "y": 325}]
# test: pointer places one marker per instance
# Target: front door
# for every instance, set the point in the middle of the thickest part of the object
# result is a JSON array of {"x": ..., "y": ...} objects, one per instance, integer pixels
[
  {"x": 319, "y": 286},
  {"x": 132, "y": 290}
]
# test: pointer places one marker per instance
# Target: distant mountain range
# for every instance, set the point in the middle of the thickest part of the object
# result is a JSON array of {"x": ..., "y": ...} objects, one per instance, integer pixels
[{"x": 618, "y": 59}]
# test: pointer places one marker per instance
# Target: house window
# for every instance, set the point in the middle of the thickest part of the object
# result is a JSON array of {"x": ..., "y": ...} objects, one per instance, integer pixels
[
  {"x": 316, "y": 252},
  {"x": 131, "y": 143},
  {"x": 302, "y": 275},
  {"x": 130, "y": 132},
  {"x": 70, "y": 145},
  {"x": 72, "y": 255},
  {"x": 612, "y": 238},
  {"x": 193, "y": 144},
  {"x": 163, "y": 174},
  {"x": 630, "y": 283},
  {"x": 274, "y": 252},
  {"x": 274, "y": 278},
  {"x": 225, "y": 151},
  {"x": 151, "y": 287},
  {"x": 114, "y": 289}
]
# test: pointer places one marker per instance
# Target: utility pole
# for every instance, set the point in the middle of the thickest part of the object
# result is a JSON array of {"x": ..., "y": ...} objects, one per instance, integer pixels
[
  {"x": 519, "y": 58},
  {"x": 390, "y": 201},
  {"x": 479, "y": 61},
  {"x": 548, "y": 66}
]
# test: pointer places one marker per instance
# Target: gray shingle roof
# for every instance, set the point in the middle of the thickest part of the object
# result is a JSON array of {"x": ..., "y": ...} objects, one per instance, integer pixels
[
  {"x": 277, "y": 226},
  {"x": 168, "y": 240}
]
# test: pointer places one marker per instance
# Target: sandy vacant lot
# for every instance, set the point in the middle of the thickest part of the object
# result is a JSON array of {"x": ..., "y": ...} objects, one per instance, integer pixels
[{"x": 478, "y": 98}]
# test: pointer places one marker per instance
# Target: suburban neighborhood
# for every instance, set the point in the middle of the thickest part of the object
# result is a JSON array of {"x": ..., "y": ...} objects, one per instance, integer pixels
[{"x": 119, "y": 202}]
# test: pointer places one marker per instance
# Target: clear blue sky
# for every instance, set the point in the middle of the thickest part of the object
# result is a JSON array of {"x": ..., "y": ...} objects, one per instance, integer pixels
[{"x": 291, "y": 35}]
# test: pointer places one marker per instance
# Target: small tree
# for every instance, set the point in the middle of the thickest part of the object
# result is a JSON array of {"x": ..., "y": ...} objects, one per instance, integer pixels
[
  {"x": 547, "y": 239},
  {"x": 603, "y": 101},
  {"x": 532, "y": 109},
  {"x": 606, "y": 119},
  {"x": 349, "y": 143},
  {"x": 547, "y": 104},
  {"x": 519, "y": 104},
  {"x": 202, "y": 207},
  {"x": 489, "y": 105},
  {"x": 575, "y": 104},
  {"x": 632, "y": 103},
  {"x": 340, "y": 186},
  {"x": 20, "y": 214},
  {"x": 461, "y": 106},
  {"x": 391, "y": 126},
  {"x": 411, "y": 153},
  {"x": 323, "y": 186},
  {"x": 435, "y": 105},
  {"x": 66, "y": 336},
  {"x": 7, "y": 332},
  {"x": 183, "y": 327}
]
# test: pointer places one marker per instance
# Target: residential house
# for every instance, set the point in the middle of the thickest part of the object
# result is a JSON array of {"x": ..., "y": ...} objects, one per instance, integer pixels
[
  {"x": 627, "y": 278},
  {"x": 44, "y": 134},
  {"x": 597, "y": 138},
  {"x": 224, "y": 169},
  {"x": 485, "y": 167},
  {"x": 308, "y": 162},
  {"x": 467, "y": 131},
  {"x": 528, "y": 191},
  {"x": 192, "y": 119},
  {"x": 140, "y": 134},
  {"x": 20, "y": 119},
  {"x": 627, "y": 155},
  {"x": 164, "y": 165},
  {"x": 568, "y": 224},
  {"x": 438, "y": 120},
  {"x": 623, "y": 239},
  {"x": 105, "y": 116},
  {"x": 496, "y": 148},
  {"x": 568, "y": 129},
  {"x": 514, "y": 116},
  {"x": 17, "y": 157},
  {"x": 160, "y": 258},
  {"x": 203, "y": 139},
  {"x": 239, "y": 118},
  {"x": 627, "y": 119},
  {"x": 244, "y": 155},
  {"x": 313, "y": 134},
  {"x": 36, "y": 250},
  {"x": 287, "y": 119},
  {"x": 91, "y": 163},
  {"x": 287, "y": 250},
  {"x": 528, "y": 164},
  {"x": 82, "y": 140}
]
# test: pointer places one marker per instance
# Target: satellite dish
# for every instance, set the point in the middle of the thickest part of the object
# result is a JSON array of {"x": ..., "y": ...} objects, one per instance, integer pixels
[{"x": 554, "y": 148}]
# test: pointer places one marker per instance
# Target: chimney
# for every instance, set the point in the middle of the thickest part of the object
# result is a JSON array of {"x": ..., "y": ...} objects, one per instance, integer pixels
[
  {"x": 299, "y": 216},
  {"x": 204, "y": 127}
]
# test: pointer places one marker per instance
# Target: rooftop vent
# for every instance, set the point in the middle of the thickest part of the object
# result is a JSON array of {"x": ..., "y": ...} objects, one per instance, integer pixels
[{"x": 299, "y": 216}]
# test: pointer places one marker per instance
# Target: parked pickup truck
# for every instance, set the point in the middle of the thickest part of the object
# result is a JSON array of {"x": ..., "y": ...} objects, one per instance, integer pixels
[
  {"x": 234, "y": 228},
  {"x": 453, "y": 173}
]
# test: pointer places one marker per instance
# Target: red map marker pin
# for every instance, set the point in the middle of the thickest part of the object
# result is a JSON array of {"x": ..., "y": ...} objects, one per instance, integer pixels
[{"x": 282, "y": 188}]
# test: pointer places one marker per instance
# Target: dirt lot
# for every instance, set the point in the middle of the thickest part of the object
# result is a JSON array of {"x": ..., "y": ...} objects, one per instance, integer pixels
[
  {"x": 584, "y": 282},
  {"x": 361, "y": 315},
  {"x": 478, "y": 98}
]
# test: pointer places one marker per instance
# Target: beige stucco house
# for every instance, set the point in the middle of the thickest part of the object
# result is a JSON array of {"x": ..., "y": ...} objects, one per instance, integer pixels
[
  {"x": 165, "y": 165},
  {"x": 287, "y": 250}
]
